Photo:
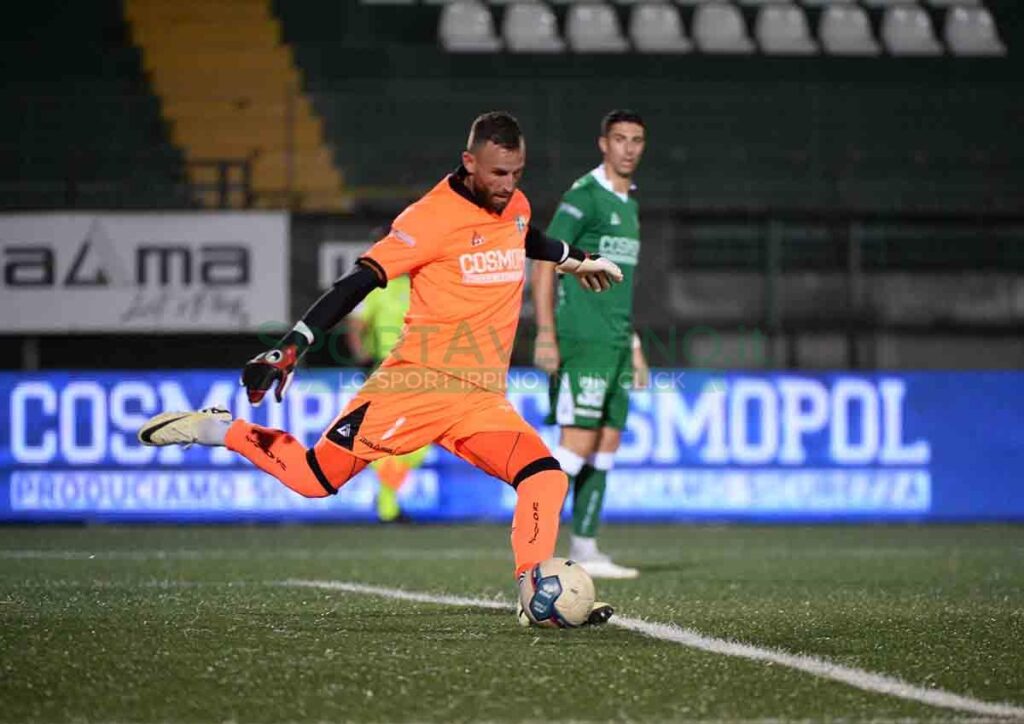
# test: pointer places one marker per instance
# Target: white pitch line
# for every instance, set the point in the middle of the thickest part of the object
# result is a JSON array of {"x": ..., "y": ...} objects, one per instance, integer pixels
[
  {"x": 822, "y": 668},
  {"x": 205, "y": 554},
  {"x": 398, "y": 594}
]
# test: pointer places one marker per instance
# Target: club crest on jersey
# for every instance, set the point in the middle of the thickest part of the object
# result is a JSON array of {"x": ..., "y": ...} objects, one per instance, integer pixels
[
  {"x": 615, "y": 221},
  {"x": 521, "y": 223},
  {"x": 477, "y": 240}
]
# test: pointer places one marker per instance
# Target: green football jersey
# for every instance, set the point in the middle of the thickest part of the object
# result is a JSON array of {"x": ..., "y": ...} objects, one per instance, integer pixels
[{"x": 596, "y": 219}]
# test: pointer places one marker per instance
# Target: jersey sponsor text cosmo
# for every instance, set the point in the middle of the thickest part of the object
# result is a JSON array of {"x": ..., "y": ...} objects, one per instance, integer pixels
[{"x": 497, "y": 266}]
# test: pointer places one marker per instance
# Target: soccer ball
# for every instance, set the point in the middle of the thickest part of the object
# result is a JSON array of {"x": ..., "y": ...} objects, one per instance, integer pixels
[{"x": 556, "y": 593}]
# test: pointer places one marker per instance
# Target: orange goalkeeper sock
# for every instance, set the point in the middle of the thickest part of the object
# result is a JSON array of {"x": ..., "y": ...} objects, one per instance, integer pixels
[
  {"x": 535, "y": 523},
  {"x": 281, "y": 455}
]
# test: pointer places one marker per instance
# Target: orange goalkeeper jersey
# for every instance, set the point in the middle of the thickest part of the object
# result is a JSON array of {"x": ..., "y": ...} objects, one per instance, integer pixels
[{"x": 467, "y": 267}]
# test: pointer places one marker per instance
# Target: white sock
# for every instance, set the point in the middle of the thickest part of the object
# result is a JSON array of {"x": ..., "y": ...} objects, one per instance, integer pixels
[
  {"x": 580, "y": 547},
  {"x": 603, "y": 461},
  {"x": 211, "y": 431},
  {"x": 571, "y": 462}
]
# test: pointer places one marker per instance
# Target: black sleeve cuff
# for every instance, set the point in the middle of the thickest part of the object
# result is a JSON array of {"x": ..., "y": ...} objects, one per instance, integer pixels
[
  {"x": 376, "y": 268},
  {"x": 542, "y": 247}
]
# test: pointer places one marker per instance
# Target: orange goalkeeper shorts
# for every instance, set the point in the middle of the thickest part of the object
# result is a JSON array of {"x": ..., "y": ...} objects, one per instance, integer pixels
[{"x": 403, "y": 407}]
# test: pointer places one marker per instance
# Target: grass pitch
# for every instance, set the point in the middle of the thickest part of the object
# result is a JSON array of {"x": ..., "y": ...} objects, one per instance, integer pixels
[{"x": 192, "y": 624}]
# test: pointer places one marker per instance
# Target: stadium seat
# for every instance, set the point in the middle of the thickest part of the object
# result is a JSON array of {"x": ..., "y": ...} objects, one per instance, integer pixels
[
  {"x": 971, "y": 31},
  {"x": 952, "y": 3},
  {"x": 657, "y": 28},
  {"x": 820, "y": 3},
  {"x": 467, "y": 27},
  {"x": 594, "y": 29},
  {"x": 718, "y": 27},
  {"x": 887, "y": 3},
  {"x": 782, "y": 30},
  {"x": 531, "y": 28},
  {"x": 907, "y": 30},
  {"x": 845, "y": 30}
]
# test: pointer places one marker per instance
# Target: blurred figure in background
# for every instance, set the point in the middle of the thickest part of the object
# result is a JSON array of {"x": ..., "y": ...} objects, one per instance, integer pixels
[
  {"x": 373, "y": 329},
  {"x": 585, "y": 341}
]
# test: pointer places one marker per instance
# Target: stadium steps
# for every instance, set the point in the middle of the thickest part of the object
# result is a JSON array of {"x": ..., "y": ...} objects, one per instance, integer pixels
[
  {"x": 78, "y": 125},
  {"x": 230, "y": 89}
]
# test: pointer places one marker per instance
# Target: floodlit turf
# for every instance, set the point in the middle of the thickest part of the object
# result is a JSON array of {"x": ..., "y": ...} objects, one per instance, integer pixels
[{"x": 147, "y": 624}]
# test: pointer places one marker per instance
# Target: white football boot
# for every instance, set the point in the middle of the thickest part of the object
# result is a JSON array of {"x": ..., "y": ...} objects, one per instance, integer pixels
[
  {"x": 599, "y": 565},
  {"x": 179, "y": 428}
]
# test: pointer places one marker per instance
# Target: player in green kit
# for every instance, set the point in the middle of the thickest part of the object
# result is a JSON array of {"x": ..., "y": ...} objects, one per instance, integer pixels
[
  {"x": 374, "y": 327},
  {"x": 586, "y": 342}
]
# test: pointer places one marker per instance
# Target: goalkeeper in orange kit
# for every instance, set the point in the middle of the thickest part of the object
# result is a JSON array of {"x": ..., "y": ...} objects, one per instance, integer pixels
[{"x": 464, "y": 246}]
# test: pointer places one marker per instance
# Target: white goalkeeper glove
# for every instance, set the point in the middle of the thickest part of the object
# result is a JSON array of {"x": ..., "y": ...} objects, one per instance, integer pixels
[{"x": 594, "y": 273}]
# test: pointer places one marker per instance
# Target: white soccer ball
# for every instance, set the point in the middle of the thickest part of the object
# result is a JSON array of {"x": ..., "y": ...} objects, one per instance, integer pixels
[{"x": 556, "y": 593}]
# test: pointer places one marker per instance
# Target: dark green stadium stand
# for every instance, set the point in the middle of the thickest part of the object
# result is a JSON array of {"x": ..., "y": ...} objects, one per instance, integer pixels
[
  {"x": 726, "y": 133},
  {"x": 79, "y": 127}
]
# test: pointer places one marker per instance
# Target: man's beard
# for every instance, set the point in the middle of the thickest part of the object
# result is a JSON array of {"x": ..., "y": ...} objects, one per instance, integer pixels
[
  {"x": 493, "y": 203},
  {"x": 497, "y": 205}
]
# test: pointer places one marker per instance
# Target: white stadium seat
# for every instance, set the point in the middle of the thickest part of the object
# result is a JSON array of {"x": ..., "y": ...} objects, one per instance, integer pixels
[
  {"x": 718, "y": 27},
  {"x": 782, "y": 30},
  {"x": 594, "y": 29},
  {"x": 972, "y": 31},
  {"x": 907, "y": 30},
  {"x": 466, "y": 26},
  {"x": 845, "y": 30},
  {"x": 655, "y": 27},
  {"x": 530, "y": 27}
]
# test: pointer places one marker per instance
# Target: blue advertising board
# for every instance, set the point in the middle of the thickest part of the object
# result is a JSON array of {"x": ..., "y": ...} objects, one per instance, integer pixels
[{"x": 698, "y": 446}]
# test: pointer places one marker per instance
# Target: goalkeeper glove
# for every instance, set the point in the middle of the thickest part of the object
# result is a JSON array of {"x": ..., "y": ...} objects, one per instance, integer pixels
[
  {"x": 275, "y": 365},
  {"x": 595, "y": 273}
]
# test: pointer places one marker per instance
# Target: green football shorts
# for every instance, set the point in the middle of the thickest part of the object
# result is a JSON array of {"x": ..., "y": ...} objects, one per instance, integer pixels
[{"x": 592, "y": 386}]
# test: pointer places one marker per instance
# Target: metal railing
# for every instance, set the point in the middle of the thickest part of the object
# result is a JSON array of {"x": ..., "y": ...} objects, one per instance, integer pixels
[{"x": 222, "y": 183}]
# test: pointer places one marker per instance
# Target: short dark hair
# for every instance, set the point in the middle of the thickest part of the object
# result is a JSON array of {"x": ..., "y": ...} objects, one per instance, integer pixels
[
  {"x": 499, "y": 127},
  {"x": 620, "y": 115}
]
